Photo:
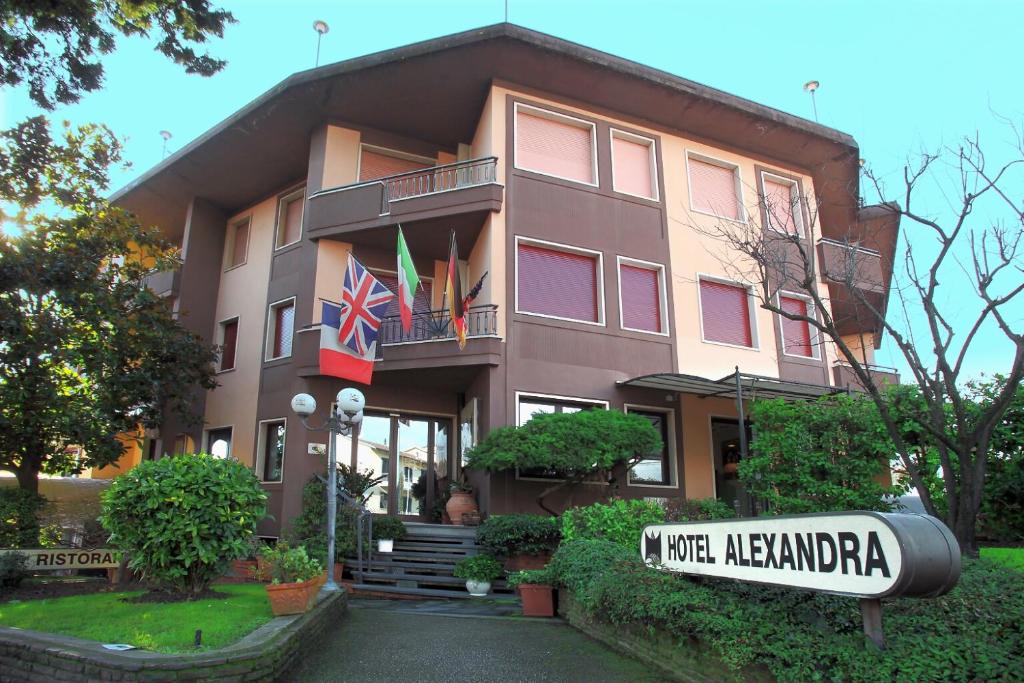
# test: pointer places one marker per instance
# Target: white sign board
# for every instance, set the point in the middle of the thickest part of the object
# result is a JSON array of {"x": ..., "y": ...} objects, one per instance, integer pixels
[
  {"x": 52, "y": 559},
  {"x": 846, "y": 553}
]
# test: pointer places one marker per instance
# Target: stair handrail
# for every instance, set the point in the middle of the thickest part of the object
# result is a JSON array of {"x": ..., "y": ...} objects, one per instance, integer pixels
[{"x": 352, "y": 501}]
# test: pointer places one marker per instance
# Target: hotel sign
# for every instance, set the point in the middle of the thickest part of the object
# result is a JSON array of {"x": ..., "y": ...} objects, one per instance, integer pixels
[
  {"x": 52, "y": 559},
  {"x": 862, "y": 554}
]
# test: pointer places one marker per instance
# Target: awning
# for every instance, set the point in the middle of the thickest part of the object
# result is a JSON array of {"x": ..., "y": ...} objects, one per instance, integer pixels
[{"x": 751, "y": 386}]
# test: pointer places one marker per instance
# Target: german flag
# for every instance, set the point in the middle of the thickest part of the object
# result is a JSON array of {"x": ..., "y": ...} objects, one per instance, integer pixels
[{"x": 453, "y": 290}]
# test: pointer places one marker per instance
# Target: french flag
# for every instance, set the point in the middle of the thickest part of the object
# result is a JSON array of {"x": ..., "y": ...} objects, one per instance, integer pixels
[{"x": 337, "y": 359}]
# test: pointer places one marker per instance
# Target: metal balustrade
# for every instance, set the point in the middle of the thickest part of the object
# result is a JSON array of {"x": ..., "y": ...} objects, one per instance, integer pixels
[
  {"x": 481, "y": 321},
  {"x": 436, "y": 179}
]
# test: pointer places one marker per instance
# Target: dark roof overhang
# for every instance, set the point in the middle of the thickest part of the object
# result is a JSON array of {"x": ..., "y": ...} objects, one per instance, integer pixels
[{"x": 750, "y": 386}]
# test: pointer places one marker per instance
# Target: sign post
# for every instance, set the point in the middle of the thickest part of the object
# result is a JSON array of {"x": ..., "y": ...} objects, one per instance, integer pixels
[{"x": 868, "y": 555}]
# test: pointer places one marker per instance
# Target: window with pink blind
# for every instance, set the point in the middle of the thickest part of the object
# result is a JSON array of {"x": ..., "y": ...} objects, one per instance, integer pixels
[
  {"x": 421, "y": 302},
  {"x": 780, "y": 203},
  {"x": 557, "y": 283},
  {"x": 556, "y": 146},
  {"x": 640, "y": 292},
  {"x": 725, "y": 311},
  {"x": 289, "y": 222},
  {"x": 239, "y": 243},
  {"x": 373, "y": 165},
  {"x": 632, "y": 165},
  {"x": 284, "y": 324},
  {"x": 713, "y": 189},
  {"x": 796, "y": 334}
]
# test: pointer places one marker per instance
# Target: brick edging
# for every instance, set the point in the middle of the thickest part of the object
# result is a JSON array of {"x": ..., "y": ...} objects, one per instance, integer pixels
[{"x": 263, "y": 655}]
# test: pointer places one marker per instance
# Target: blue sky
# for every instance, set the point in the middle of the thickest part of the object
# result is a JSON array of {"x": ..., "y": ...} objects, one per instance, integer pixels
[{"x": 900, "y": 77}]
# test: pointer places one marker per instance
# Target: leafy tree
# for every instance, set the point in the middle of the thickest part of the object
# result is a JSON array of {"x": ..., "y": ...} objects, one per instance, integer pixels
[
  {"x": 86, "y": 350},
  {"x": 571, "y": 447},
  {"x": 55, "y": 46},
  {"x": 819, "y": 456}
]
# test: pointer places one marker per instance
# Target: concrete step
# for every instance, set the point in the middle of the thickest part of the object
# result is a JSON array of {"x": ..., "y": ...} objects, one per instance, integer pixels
[
  {"x": 421, "y": 592},
  {"x": 436, "y": 547}
]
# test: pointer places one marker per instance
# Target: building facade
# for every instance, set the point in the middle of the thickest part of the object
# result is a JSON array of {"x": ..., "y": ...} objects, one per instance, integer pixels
[{"x": 584, "y": 186}]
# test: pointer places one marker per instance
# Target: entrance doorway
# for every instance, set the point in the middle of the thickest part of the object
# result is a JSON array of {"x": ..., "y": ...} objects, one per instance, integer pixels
[
  {"x": 725, "y": 444},
  {"x": 413, "y": 453}
]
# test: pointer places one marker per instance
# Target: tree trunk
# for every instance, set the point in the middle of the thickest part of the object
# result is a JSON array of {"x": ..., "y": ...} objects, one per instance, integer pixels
[{"x": 28, "y": 478}]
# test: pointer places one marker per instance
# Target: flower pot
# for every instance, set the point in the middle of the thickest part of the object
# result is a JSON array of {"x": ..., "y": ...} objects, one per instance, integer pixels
[
  {"x": 538, "y": 600},
  {"x": 245, "y": 570},
  {"x": 522, "y": 561},
  {"x": 460, "y": 503},
  {"x": 478, "y": 588},
  {"x": 292, "y": 598},
  {"x": 385, "y": 545}
]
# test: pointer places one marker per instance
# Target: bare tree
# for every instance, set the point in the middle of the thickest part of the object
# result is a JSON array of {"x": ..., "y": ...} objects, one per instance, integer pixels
[{"x": 975, "y": 245}]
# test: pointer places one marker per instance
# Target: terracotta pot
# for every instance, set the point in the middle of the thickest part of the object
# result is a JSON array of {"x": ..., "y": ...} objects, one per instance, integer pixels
[
  {"x": 460, "y": 502},
  {"x": 522, "y": 561},
  {"x": 538, "y": 600},
  {"x": 339, "y": 567},
  {"x": 292, "y": 598}
]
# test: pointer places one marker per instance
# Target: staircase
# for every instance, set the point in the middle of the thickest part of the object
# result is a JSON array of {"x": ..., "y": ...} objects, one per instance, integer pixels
[{"x": 422, "y": 563}]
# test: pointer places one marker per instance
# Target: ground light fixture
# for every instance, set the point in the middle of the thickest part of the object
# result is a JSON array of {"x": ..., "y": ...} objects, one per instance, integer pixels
[{"x": 346, "y": 414}]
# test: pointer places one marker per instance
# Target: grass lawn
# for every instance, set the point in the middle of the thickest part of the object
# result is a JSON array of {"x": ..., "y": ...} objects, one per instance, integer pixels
[
  {"x": 1011, "y": 557},
  {"x": 163, "y": 627}
]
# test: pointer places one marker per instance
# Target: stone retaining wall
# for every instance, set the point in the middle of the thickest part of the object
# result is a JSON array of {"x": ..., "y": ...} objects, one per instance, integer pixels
[{"x": 263, "y": 655}]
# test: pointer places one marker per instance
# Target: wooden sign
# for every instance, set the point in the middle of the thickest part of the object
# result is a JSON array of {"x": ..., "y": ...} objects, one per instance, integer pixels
[{"x": 52, "y": 559}]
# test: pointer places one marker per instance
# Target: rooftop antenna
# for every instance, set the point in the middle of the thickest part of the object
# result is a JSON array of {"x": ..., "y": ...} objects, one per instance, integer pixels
[
  {"x": 506, "y": 11},
  {"x": 321, "y": 27},
  {"x": 166, "y": 135},
  {"x": 811, "y": 86}
]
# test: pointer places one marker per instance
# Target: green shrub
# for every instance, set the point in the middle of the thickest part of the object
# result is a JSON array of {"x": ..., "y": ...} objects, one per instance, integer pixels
[
  {"x": 619, "y": 521},
  {"x": 697, "y": 509},
  {"x": 19, "y": 518},
  {"x": 535, "y": 576},
  {"x": 310, "y": 528},
  {"x": 289, "y": 565},
  {"x": 972, "y": 633},
  {"x": 13, "y": 569},
  {"x": 505, "y": 535},
  {"x": 182, "y": 520},
  {"x": 388, "y": 527},
  {"x": 478, "y": 568}
]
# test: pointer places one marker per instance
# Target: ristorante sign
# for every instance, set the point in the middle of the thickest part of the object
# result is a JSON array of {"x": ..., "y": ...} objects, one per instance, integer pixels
[
  {"x": 864, "y": 554},
  {"x": 50, "y": 559}
]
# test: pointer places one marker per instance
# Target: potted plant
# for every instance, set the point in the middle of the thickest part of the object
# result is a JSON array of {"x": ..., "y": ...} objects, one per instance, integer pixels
[
  {"x": 479, "y": 571},
  {"x": 536, "y": 589},
  {"x": 294, "y": 579},
  {"x": 524, "y": 541},
  {"x": 387, "y": 530},
  {"x": 460, "y": 502},
  {"x": 247, "y": 568}
]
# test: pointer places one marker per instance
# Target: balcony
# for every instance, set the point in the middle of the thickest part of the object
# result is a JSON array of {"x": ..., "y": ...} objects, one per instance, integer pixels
[
  {"x": 846, "y": 267},
  {"x": 458, "y": 195},
  {"x": 844, "y": 376},
  {"x": 430, "y": 326},
  {"x": 164, "y": 283}
]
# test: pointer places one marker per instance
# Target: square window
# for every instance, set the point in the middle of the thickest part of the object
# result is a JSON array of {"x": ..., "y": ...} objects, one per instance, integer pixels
[
  {"x": 726, "y": 314},
  {"x": 640, "y": 297},
  {"x": 289, "y": 218},
  {"x": 782, "y": 206},
  {"x": 238, "y": 243},
  {"x": 555, "y": 145},
  {"x": 634, "y": 168},
  {"x": 218, "y": 442},
  {"x": 282, "y": 325},
  {"x": 228, "y": 343},
  {"x": 797, "y": 338},
  {"x": 558, "y": 283},
  {"x": 271, "y": 460},
  {"x": 715, "y": 188},
  {"x": 656, "y": 469}
]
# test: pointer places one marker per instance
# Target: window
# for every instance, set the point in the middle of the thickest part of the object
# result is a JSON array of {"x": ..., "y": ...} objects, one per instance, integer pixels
[
  {"x": 715, "y": 187},
  {"x": 559, "y": 283},
  {"x": 289, "y": 218},
  {"x": 238, "y": 243},
  {"x": 383, "y": 501},
  {"x": 725, "y": 313},
  {"x": 655, "y": 470},
  {"x": 218, "y": 442},
  {"x": 271, "y": 455},
  {"x": 407, "y": 473},
  {"x": 634, "y": 167},
  {"x": 797, "y": 339},
  {"x": 377, "y": 163},
  {"x": 384, "y": 464},
  {"x": 781, "y": 205},
  {"x": 555, "y": 145},
  {"x": 421, "y": 300},
  {"x": 228, "y": 342},
  {"x": 183, "y": 445},
  {"x": 641, "y": 296},
  {"x": 281, "y": 327}
]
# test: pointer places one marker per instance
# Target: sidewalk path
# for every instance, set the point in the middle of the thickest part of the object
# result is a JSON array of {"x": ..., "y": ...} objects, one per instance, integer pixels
[{"x": 416, "y": 644}]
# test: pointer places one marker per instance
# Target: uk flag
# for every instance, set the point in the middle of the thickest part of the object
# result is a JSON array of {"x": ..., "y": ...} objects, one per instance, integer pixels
[{"x": 364, "y": 301}]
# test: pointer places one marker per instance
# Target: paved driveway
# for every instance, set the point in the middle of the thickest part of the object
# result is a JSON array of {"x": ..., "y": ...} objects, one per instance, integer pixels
[{"x": 413, "y": 645}]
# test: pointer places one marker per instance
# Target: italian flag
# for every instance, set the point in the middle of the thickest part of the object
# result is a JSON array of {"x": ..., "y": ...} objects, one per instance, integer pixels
[{"x": 408, "y": 281}]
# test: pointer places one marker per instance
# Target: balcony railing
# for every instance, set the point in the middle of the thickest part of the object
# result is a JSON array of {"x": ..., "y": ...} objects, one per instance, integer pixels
[
  {"x": 844, "y": 376},
  {"x": 481, "y": 321},
  {"x": 436, "y": 179}
]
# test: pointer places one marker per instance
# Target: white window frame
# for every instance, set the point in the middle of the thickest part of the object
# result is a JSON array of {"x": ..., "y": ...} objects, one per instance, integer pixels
[
  {"x": 220, "y": 342},
  {"x": 673, "y": 467},
  {"x": 388, "y": 152},
  {"x": 737, "y": 174},
  {"x": 229, "y": 247},
  {"x": 261, "y": 436},
  {"x": 797, "y": 208},
  {"x": 812, "y": 312},
  {"x": 562, "y": 118},
  {"x": 755, "y": 336},
  {"x": 271, "y": 329},
  {"x": 298, "y": 194},
  {"x": 652, "y": 159},
  {"x": 206, "y": 439},
  {"x": 662, "y": 304},
  {"x": 519, "y": 395},
  {"x": 568, "y": 248}
]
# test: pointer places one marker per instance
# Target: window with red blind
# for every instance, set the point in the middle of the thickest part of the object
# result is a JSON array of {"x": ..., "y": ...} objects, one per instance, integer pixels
[
  {"x": 640, "y": 297},
  {"x": 239, "y": 243},
  {"x": 374, "y": 165},
  {"x": 714, "y": 188},
  {"x": 289, "y": 220},
  {"x": 555, "y": 145},
  {"x": 229, "y": 339},
  {"x": 421, "y": 301},
  {"x": 633, "y": 165},
  {"x": 558, "y": 283},
  {"x": 780, "y": 205},
  {"x": 796, "y": 334},
  {"x": 283, "y": 321},
  {"x": 725, "y": 313}
]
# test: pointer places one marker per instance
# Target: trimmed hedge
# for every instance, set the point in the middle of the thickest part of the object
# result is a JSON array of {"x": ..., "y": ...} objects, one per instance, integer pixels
[
  {"x": 619, "y": 521},
  {"x": 505, "y": 535},
  {"x": 976, "y": 632}
]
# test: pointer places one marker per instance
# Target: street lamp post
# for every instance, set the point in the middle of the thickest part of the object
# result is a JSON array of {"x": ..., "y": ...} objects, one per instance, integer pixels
[{"x": 346, "y": 414}]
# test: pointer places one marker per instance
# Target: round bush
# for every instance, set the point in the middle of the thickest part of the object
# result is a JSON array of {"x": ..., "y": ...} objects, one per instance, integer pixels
[
  {"x": 182, "y": 520},
  {"x": 505, "y": 535}
]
